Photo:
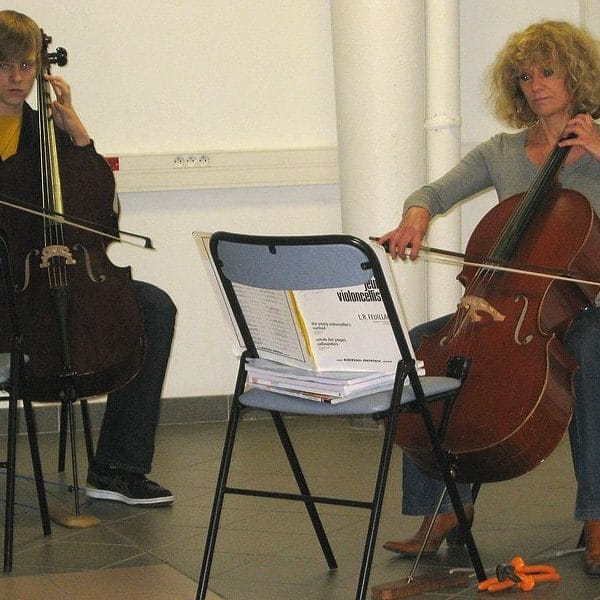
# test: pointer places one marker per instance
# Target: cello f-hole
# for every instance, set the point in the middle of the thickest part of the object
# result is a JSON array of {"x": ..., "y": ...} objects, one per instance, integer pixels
[
  {"x": 26, "y": 271},
  {"x": 520, "y": 320},
  {"x": 88, "y": 264}
]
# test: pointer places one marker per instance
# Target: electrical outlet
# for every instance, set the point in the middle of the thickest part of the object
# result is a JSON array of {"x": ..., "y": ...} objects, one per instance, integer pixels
[
  {"x": 191, "y": 161},
  {"x": 197, "y": 160}
]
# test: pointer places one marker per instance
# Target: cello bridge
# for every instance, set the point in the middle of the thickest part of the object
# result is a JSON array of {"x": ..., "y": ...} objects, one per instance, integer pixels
[
  {"x": 50, "y": 252},
  {"x": 474, "y": 305}
]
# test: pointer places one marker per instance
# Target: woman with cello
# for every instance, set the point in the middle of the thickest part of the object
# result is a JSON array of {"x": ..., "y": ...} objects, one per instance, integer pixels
[
  {"x": 545, "y": 82},
  {"x": 126, "y": 440}
]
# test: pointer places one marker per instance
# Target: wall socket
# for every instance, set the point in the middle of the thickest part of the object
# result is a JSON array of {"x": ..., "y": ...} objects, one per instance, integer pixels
[{"x": 193, "y": 161}]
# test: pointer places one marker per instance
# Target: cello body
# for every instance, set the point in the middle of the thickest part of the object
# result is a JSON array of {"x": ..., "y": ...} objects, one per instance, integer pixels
[
  {"x": 516, "y": 399},
  {"x": 81, "y": 324}
]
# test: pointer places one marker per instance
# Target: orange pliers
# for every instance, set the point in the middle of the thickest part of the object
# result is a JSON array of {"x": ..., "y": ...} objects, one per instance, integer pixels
[{"x": 518, "y": 574}]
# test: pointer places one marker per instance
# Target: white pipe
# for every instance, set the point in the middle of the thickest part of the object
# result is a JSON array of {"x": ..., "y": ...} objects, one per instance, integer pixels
[
  {"x": 443, "y": 140},
  {"x": 378, "y": 57}
]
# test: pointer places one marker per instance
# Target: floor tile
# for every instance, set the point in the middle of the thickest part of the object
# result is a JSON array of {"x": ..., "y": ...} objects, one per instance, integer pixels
[{"x": 267, "y": 548}]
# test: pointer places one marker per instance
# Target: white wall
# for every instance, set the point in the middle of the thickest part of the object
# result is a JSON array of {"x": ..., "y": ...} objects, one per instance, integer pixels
[
  {"x": 171, "y": 75},
  {"x": 175, "y": 75}
]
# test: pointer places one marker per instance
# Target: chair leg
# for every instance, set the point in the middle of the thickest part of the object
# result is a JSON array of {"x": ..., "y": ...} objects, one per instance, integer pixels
[
  {"x": 456, "y": 533},
  {"x": 463, "y": 523},
  {"x": 215, "y": 515},
  {"x": 304, "y": 490},
  {"x": 37, "y": 466},
  {"x": 9, "y": 515},
  {"x": 378, "y": 496},
  {"x": 465, "y": 526},
  {"x": 444, "y": 466}
]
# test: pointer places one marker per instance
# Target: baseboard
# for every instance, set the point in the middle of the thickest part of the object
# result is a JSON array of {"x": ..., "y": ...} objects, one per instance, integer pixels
[
  {"x": 198, "y": 409},
  {"x": 173, "y": 410}
]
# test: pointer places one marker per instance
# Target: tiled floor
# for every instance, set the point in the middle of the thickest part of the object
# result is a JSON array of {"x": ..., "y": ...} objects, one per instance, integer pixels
[{"x": 266, "y": 548}]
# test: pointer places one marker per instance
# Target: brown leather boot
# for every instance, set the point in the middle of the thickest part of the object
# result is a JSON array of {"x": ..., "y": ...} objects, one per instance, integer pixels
[
  {"x": 591, "y": 556},
  {"x": 444, "y": 525}
]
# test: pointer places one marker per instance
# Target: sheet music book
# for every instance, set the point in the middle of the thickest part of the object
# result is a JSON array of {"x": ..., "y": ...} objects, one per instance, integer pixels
[
  {"x": 322, "y": 331},
  {"x": 270, "y": 315},
  {"x": 325, "y": 386}
]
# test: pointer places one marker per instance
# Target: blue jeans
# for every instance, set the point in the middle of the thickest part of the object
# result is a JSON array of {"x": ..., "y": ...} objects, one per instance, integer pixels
[
  {"x": 583, "y": 342},
  {"x": 420, "y": 492},
  {"x": 126, "y": 438}
]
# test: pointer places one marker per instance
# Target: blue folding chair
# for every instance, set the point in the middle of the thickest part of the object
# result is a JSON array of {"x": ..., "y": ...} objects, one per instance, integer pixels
[{"x": 307, "y": 263}]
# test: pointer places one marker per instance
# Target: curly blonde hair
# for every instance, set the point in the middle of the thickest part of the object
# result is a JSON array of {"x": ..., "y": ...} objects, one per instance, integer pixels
[
  {"x": 20, "y": 37},
  {"x": 568, "y": 49}
]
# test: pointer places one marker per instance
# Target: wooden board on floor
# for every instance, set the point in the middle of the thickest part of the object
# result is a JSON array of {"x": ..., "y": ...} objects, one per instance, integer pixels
[{"x": 401, "y": 588}]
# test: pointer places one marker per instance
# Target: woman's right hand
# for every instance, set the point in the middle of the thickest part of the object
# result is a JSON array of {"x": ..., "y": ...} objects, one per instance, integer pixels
[{"x": 410, "y": 231}]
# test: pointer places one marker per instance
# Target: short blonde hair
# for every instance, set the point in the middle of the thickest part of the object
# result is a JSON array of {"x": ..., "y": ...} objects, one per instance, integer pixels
[
  {"x": 571, "y": 50},
  {"x": 20, "y": 37}
]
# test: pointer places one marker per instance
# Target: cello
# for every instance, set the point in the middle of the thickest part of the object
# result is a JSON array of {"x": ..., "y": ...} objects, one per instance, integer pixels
[
  {"x": 505, "y": 339},
  {"x": 81, "y": 323}
]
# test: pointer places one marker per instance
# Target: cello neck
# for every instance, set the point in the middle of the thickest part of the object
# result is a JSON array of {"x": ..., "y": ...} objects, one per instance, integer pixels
[
  {"x": 50, "y": 173},
  {"x": 532, "y": 201}
]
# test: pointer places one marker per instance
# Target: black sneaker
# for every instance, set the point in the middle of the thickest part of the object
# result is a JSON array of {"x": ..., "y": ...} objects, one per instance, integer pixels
[{"x": 123, "y": 486}]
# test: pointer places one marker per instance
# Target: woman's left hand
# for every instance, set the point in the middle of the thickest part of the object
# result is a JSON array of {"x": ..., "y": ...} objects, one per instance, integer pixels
[{"x": 586, "y": 132}]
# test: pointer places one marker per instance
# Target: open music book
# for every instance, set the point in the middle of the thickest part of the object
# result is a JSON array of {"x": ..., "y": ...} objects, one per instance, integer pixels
[{"x": 323, "y": 337}]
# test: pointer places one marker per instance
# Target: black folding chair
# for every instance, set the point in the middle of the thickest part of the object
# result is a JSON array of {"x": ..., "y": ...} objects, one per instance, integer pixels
[
  {"x": 303, "y": 263},
  {"x": 12, "y": 367}
]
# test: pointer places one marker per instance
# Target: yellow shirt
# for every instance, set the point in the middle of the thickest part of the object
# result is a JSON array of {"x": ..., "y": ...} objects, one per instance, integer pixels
[{"x": 10, "y": 130}]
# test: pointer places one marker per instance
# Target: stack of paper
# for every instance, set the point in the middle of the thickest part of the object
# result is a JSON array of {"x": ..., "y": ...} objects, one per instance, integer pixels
[{"x": 324, "y": 386}]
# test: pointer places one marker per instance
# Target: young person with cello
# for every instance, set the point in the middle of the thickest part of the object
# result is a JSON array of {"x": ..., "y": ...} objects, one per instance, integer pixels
[
  {"x": 125, "y": 446},
  {"x": 545, "y": 82}
]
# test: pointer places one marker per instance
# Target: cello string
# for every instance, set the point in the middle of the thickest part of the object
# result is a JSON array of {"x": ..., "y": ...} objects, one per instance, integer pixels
[
  {"x": 51, "y": 198},
  {"x": 463, "y": 339},
  {"x": 45, "y": 184},
  {"x": 514, "y": 228}
]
